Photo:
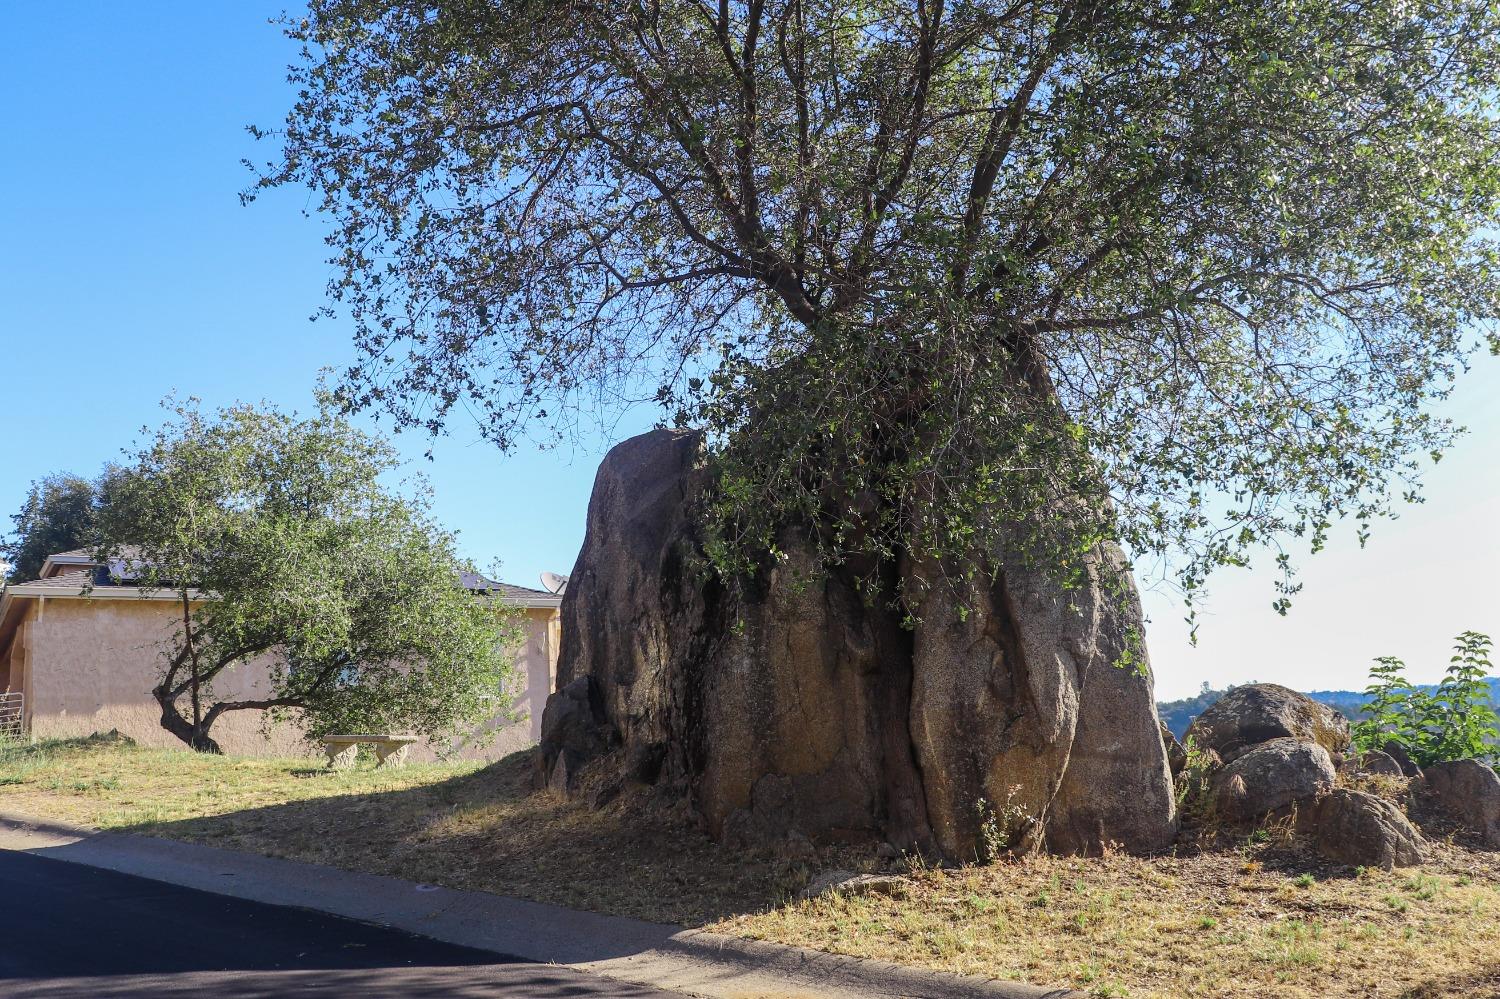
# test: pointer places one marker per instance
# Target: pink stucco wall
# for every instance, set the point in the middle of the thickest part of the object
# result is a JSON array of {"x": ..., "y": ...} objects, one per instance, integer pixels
[{"x": 88, "y": 665}]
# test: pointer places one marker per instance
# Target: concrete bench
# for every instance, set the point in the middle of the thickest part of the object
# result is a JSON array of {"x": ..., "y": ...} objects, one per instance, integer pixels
[{"x": 390, "y": 750}]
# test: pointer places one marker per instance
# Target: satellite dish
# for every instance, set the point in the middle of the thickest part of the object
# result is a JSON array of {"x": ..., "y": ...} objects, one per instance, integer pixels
[{"x": 554, "y": 583}]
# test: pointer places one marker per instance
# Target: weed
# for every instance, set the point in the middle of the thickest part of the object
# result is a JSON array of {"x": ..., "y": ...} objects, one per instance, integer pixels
[
  {"x": 1424, "y": 887},
  {"x": 1294, "y": 943},
  {"x": 1001, "y": 831},
  {"x": 1193, "y": 786}
]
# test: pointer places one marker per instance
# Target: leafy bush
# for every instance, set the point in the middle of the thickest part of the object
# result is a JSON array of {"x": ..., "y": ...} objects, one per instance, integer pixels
[{"x": 1453, "y": 721}]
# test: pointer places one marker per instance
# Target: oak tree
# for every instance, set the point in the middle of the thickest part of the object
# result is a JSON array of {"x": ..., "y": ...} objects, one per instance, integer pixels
[
  {"x": 57, "y": 516},
  {"x": 961, "y": 292},
  {"x": 282, "y": 542},
  {"x": 1177, "y": 274}
]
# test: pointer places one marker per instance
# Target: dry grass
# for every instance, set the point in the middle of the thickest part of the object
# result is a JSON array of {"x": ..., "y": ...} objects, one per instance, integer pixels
[
  {"x": 1262, "y": 921},
  {"x": 1253, "y": 919},
  {"x": 456, "y": 824}
]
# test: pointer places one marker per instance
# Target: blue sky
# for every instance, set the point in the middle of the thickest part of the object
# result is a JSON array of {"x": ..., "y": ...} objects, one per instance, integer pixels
[{"x": 128, "y": 270}]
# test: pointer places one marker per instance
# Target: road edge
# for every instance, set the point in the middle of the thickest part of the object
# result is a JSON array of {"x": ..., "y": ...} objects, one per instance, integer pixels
[{"x": 697, "y": 962}]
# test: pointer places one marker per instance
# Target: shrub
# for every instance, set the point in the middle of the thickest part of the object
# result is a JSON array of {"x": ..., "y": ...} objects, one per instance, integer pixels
[{"x": 1453, "y": 721}]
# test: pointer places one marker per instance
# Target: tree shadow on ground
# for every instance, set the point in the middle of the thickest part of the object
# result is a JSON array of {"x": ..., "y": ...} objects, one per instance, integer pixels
[
  {"x": 1484, "y": 982},
  {"x": 637, "y": 856}
]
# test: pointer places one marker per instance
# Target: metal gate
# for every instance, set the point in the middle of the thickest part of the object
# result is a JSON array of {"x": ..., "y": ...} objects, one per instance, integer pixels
[{"x": 12, "y": 717}]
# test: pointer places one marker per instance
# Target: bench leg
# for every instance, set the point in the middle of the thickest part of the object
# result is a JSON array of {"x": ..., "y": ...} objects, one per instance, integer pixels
[
  {"x": 341, "y": 757},
  {"x": 388, "y": 754}
]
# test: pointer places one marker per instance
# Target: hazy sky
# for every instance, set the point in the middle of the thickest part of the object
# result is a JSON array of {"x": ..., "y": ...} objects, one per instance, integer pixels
[{"x": 129, "y": 270}]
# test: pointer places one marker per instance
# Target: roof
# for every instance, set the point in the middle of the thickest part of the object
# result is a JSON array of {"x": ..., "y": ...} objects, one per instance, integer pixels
[
  {"x": 74, "y": 574},
  {"x": 77, "y": 580},
  {"x": 519, "y": 596}
]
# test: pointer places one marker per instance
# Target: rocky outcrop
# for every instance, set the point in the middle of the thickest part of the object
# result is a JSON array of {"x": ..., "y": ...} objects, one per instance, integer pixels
[
  {"x": 798, "y": 706},
  {"x": 1248, "y": 716},
  {"x": 1361, "y": 830},
  {"x": 1271, "y": 777},
  {"x": 1464, "y": 792}
]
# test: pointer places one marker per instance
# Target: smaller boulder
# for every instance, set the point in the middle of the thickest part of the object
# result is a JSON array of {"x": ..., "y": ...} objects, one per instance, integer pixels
[
  {"x": 848, "y": 883},
  {"x": 1361, "y": 830},
  {"x": 1398, "y": 752},
  {"x": 744, "y": 830},
  {"x": 1254, "y": 714},
  {"x": 1176, "y": 755},
  {"x": 559, "y": 777},
  {"x": 1270, "y": 777},
  {"x": 1373, "y": 762},
  {"x": 574, "y": 732},
  {"x": 1466, "y": 792},
  {"x": 797, "y": 847}
]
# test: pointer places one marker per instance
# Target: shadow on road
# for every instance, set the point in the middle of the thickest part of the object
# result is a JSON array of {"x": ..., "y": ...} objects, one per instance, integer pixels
[
  {"x": 69, "y": 930},
  {"x": 488, "y": 981}
]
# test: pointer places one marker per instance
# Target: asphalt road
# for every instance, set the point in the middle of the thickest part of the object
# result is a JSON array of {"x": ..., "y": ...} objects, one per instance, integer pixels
[{"x": 68, "y": 930}]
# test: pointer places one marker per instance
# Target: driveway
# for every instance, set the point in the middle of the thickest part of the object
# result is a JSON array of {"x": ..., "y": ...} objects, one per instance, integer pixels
[{"x": 68, "y": 930}]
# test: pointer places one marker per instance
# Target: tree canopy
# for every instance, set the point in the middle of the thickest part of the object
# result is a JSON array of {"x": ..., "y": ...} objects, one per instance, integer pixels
[
  {"x": 57, "y": 516},
  {"x": 1180, "y": 274},
  {"x": 282, "y": 542}
]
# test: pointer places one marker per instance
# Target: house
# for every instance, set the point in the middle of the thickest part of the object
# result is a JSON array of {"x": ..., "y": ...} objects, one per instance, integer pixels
[{"x": 76, "y": 659}]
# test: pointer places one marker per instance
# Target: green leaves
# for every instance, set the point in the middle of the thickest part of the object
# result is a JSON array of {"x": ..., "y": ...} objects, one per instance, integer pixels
[
  {"x": 57, "y": 516},
  {"x": 343, "y": 588},
  {"x": 985, "y": 264},
  {"x": 1454, "y": 721}
]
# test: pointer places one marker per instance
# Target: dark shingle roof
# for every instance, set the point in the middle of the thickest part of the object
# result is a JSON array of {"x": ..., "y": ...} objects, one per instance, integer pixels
[
  {"x": 77, "y": 579},
  {"x": 483, "y": 584}
]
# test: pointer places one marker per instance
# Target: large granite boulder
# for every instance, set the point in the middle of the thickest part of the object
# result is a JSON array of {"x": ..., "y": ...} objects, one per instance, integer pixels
[
  {"x": 1467, "y": 793},
  {"x": 799, "y": 706},
  {"x": 1270, "y": 777},
  {"x": 1259, "y": 712},
  {"x": 1361, "y": 830}
]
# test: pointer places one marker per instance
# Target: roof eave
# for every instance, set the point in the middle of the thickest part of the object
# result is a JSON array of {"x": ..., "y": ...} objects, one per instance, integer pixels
[
  {"x": 95, "y": 593},
  {"x": 63, "y": 561}
]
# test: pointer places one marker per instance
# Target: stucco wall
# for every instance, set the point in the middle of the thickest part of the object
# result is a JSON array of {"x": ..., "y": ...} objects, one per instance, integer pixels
[
  {"x": 88, "y": 665},
  {"x": 92, "y": 664}
]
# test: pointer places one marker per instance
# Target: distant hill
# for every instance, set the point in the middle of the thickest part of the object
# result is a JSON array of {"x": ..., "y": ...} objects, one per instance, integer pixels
[{"x": 1178, "y": 715}]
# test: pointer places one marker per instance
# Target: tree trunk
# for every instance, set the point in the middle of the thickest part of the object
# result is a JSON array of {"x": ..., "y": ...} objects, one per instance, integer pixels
[
  {"x": 194, "y": 734},
  {"x": 192, "y": 651},
  {"x": 803, "y": 708}
]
